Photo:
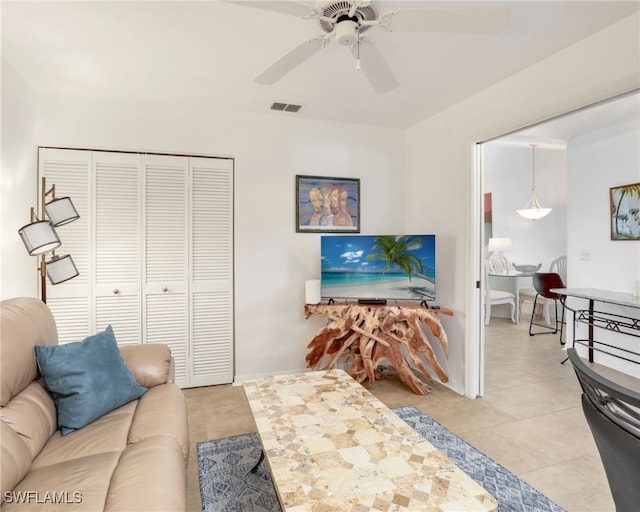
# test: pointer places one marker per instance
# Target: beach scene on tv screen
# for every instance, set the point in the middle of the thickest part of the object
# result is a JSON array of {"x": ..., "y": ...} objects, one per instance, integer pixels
[{"x": 401, "y": 267}]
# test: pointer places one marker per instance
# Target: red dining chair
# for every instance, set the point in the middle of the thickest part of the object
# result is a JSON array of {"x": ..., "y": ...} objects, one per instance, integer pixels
[{"x": 544, "y": 282}]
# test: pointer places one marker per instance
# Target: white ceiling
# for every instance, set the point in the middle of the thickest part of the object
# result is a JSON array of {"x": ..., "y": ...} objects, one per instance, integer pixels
[
  {"x": 207, "y": 53},
  {"x": 621, "y": 110}
]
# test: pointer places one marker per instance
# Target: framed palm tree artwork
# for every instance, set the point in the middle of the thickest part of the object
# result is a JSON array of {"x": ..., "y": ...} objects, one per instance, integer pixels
[
  {"x": 625, "y": 212},
  {"x": 327, "y": 205}
]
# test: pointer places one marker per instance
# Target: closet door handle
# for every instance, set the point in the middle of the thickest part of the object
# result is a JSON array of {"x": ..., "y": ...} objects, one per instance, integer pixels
[
  {"x": 116, "y": 291},
  {"x": 165, "y": 289}
]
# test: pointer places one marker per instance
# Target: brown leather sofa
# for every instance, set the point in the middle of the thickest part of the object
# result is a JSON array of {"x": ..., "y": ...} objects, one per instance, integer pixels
[{"x": 131, "y": 459}]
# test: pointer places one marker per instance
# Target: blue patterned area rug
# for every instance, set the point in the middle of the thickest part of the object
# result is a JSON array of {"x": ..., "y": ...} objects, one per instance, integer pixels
[{"x": 227, "y": 485}]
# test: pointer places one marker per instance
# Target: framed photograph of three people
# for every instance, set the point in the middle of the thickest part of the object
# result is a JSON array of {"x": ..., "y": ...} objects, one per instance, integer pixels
[{"x": 327, "y": 205}]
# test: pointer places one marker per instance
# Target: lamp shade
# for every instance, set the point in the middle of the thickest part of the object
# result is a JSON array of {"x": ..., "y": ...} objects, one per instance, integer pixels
[
  {"x": 499, "y": 244},
  {"x": 39, "y": 237},
  {"x": 61, "y": 211},
  {"x": 533, "y": 213},
  {"x": 61, "y": 269}
]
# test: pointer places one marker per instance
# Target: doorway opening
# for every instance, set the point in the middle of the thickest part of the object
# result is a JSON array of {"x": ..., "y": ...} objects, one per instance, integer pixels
[{"x": 568, "y": 146}]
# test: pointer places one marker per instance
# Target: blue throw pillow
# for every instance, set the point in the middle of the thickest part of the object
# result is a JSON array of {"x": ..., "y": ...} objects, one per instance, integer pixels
[{"x": 87, "y": 379}]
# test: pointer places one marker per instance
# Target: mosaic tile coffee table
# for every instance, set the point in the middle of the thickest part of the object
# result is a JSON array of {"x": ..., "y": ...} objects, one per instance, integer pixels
[{"x": 332, "y": 446}]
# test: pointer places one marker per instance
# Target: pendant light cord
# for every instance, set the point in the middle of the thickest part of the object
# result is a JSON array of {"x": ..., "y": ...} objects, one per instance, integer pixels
[{"x": 533, "y": 170}]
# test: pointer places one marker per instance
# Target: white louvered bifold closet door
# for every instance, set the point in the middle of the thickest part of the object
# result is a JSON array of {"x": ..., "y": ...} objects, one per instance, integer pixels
[
  {"x": 70, "y": 302},
  {"x": 118, "y": 244},
  {"x": 154, "y": 248},
  {"x": 211, "y": 270},
  {"x": 166, "y": 309}
]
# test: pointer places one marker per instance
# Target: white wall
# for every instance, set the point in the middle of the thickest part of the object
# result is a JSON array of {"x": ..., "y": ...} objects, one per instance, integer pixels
[
  {"x": 440, "y": 163},
  {"x": 272, "y": 262},
  {"x": 428, "y": 169},
  {"x": 609, "y": 157},
  {"x": 507, "y": 175},
  {"x": 18, "y": 182}
]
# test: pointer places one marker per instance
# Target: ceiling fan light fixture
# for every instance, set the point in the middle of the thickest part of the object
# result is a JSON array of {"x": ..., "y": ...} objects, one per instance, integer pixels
[
  {"x": 346, "y": 32},
  {"x": 348, "y": 20}
]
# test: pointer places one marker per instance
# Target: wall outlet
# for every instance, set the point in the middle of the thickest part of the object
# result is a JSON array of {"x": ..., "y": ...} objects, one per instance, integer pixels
[{"x": 585, "y": 254}]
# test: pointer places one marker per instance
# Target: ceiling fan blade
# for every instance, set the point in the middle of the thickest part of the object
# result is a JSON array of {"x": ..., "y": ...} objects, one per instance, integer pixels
[
  {"x": 375, "y": 68},
  {"x": 285, "y": 7},
  {"x": 473, "y": 21},
  {"x": 292, "y": 59}
]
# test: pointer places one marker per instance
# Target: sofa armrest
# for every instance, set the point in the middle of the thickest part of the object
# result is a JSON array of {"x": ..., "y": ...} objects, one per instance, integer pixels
[{"x": 151, "y": 364}]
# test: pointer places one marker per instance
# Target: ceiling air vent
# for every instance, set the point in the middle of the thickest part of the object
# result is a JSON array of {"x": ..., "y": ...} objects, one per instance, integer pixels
[{"x": 286, "y": 107}]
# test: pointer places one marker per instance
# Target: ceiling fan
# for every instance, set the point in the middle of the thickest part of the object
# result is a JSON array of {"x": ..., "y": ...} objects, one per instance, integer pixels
[{"x": 348, "y": 20}]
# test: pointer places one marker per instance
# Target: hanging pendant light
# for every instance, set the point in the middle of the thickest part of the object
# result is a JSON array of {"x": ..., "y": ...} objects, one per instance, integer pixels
[{"x": 533, "y": 210}]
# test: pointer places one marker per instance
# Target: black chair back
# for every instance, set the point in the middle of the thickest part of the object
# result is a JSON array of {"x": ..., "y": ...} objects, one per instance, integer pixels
[
  {"x": 613, "y": 415},
  {"x": 543, "y": 282}
]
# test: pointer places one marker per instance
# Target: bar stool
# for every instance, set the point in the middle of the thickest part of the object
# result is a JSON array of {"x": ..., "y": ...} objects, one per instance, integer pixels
[
  {"x": 613, "y": 415},
  {"x": 544, "y": 282}
]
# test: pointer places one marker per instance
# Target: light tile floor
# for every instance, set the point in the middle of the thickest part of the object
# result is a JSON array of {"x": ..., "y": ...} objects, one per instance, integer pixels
[{"x": 530, "y": 419}]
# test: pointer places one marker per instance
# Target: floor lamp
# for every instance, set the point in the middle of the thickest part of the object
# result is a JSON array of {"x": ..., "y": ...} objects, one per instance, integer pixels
[{"x": 40, "y": 237}]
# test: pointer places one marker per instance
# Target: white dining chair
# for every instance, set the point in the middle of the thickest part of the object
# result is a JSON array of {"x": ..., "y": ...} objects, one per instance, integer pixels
[
  {"x": 559, "y": 266},
  {"x": 495, "y": 297}
]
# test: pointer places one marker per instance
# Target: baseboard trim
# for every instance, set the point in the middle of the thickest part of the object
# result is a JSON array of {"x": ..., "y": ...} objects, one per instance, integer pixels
[{"x": 238, "y": 380}]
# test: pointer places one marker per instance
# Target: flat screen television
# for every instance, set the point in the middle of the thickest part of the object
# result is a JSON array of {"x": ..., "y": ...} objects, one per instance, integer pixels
[{"x": 377, "y": 268}]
